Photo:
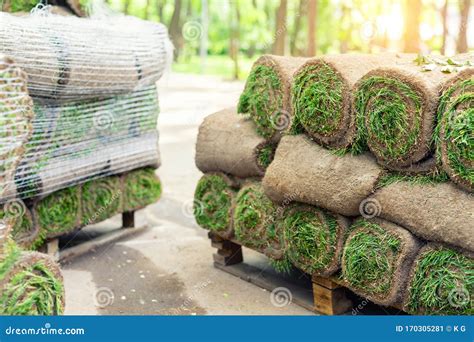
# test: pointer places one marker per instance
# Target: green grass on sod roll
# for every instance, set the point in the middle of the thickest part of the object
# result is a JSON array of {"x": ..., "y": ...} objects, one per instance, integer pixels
[
  {"x": 394, "y": 177},
  {"x": 101, "y": 199},
  {"x": 443, "y": 283},
  {"x": 141, "y": 188},
  {"x": 265, "y": 155},
  {"x": 254, "y": 218},
  {"x": 21, "y": 5},
  {"x": 311, "y": 237},
  {"x": 382, "y": 106},
  {"x": 456, "y": 114},
  {"x": 213, "y": 203},
  {"x": 60, "y": 211},
  {"x": 318, "y": 99},
  {"x": 33, "y": 289},
  {"x": 262, "y": 98},
  {"x": 369, "y": 256},
  {"x": 23, "y": 227}
]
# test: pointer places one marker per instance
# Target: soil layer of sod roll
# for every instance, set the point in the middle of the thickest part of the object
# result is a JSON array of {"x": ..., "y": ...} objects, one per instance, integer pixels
[
  {"x": 396, "y": 111},
  {"x": 441, "y": 282},
  {"x": 30, "y": 283},
  {"x": 101, "y": 199},
  {"x": 322, "y": 95},
  {"x": 306, "y": 172},
  {"x": 141, "y": 187},
  {"x": 436, "y": 212},
  {"x": 267, "y": 93},
  {"x": 376, "y": 259},
  {"x": 255, "y": 220},
  {"x": 24, "y": 230},
  {"x": 313, "y": 238},
  {"x": 58, "y": 213},
  {"x": 454, "y": 135},
  {"x": 228, "y": 143},
  {"x": 213, "y": 203}
]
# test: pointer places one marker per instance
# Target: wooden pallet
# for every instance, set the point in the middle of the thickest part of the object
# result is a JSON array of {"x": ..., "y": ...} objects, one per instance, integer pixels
[
  {"x": 51, "y": 247},
  {"x": 326, "y": 297}
]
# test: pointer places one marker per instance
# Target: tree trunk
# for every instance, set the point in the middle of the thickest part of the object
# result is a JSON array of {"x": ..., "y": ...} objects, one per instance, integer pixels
[
  {"x": 297, "y": 27},
  {"x": 280, "y": 32},
  {"x": 161, "y": 6},
  {"x": 147, "y": 9},
  {"x": 346, "y": 33},
  {"x": 126, "y": 6},
  {"x": 464, "y": 6},
  {"x": 412, "y": 26},
  {"x": 234, "y": 36},
  {"x": 175, "y": 32},
  {"x": 312, "y": 20},
  {"x": 444, "y": 20}
]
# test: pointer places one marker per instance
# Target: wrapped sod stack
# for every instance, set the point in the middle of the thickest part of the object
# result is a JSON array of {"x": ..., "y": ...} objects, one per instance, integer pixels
[
  {"x": 81, "y": 139},
  {"x": 371, "y": 180}
]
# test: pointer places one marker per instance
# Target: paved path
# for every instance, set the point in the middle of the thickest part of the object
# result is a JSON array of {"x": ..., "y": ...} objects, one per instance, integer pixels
[{"x": 168, "y": 269}]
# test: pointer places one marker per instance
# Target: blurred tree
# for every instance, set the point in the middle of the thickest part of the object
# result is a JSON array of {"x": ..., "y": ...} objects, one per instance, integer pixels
[
  {"x": 297, "y": 27},
  {"x": 175, "y": 28},
  {"x": 280, "y": 29},
  {"x": 411, "y": 35},
  {"x": 234, "y": 36},
  {"x": 147, "y": 9},
  {"x": 126, "y": 6},
  {"x": 160, "y": 9},
  {"x": 464, "y": 6},
  {"x": 312, "y": 20},
  {"x": 444, "y": 20},
  {"x": 345, "y": 28}
]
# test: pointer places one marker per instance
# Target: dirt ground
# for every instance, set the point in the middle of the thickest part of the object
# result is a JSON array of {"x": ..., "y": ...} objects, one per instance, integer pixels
[{"x": 168, "y": 268}]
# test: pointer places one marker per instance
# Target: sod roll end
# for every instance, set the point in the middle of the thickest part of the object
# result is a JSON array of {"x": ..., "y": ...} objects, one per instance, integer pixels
[
  {"x": 266, "y": 97},
  {"x": 213, "y": 203},
  {"x": 441, "y": 282},
  {"x": 376, "y": 260}
]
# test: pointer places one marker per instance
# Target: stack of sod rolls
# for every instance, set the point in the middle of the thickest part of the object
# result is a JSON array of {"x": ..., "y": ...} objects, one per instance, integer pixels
[
  {"x": 64, "y": 211},
  {"x": 369, "y": 183},
  {"x": 30, "y": 283},
  {"x": 85, "y": 146}
]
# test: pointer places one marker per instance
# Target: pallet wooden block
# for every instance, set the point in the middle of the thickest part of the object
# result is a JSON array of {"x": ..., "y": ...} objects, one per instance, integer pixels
[{"x": 329, "y": 298}]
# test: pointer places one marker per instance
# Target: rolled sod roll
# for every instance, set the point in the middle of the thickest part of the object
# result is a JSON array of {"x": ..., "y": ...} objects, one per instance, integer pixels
[
  {"x": 24, "y": 230},
  {"x": 255, "y": 221},
  {"x": 396, "y": 109},
  {"x": 376, "y": 260},
  {"x": 436, "y": 212},
  {"x": 16, "y": 113},
  {"x": 111, "y": 56},
  {"x": 140, "y": 188},
  {"x": 313, "y": 238},
  {"x": 322, "y": 95},
  {"x": 455, "y": 129},
  {"x": 30, "y": 283},
  {"x": 267, "y": 95},
  {"x": 58, "y": 213},
  {"x": 214, "y": 203},
  {"x": 101, "y": 199},
  {"x": 441, "y": 282},
  {"x": 308, "y": 173},
  {"x": 229, "y": 143}
]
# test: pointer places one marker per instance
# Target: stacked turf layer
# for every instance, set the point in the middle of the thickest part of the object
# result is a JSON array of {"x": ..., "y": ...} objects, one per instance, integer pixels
[
  {"x": 266, "y": 97},
  {"x": 30, "y": 283},
  {"x": 322, "y": 96},
  {"x": 67, "y": 210},
  {"x": 110, "y": 56},
  {"x": 396, "y": 115},
  {"x": 80, "y": 140}
]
